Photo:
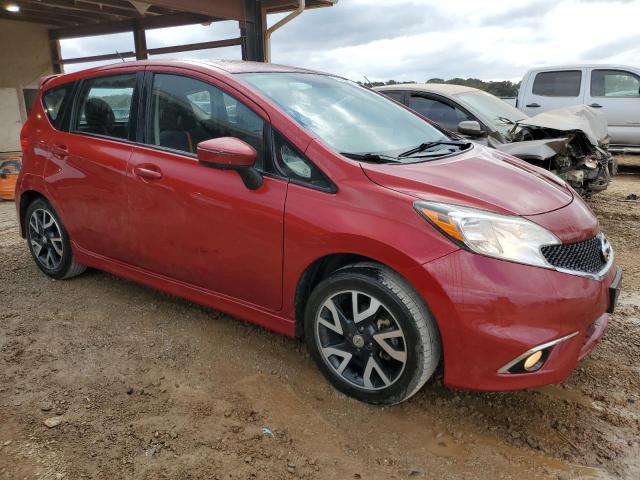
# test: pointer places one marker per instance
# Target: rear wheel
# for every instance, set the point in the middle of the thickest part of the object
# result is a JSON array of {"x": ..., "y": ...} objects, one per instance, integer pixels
[
  {"x": 49, "y": 243},
  {"x": 371, "y": 334}
]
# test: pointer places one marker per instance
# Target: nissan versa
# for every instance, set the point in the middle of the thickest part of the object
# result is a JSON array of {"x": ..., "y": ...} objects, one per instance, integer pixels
[{"x": 318, "y": 208}]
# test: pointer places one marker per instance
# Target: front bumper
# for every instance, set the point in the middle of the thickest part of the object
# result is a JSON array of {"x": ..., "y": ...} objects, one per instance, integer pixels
[{"x": 491, "y": 311}]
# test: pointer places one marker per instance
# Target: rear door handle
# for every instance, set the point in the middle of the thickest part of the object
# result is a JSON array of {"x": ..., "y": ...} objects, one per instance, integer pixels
[
  {"x": 533, "y": 105},
  {"x": 61, "y": 152},
  {"x": 148, "y": 171},
  {"x": 595, "y": 105}
]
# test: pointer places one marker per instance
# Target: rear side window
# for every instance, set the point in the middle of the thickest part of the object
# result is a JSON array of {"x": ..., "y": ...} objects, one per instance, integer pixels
[
  {"x": 614, "y": 83},
  {"x": 558, "y": 84},
  {"x": 442, "y": 113},
  {"x": 186, "y": 111},
  {"x": 53, "y": 100},
  {"x": 105, "y": 106}
]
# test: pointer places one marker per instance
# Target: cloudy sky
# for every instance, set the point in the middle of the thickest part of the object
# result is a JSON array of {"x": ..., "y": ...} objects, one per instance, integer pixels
[{"x": 422, "y": 39}]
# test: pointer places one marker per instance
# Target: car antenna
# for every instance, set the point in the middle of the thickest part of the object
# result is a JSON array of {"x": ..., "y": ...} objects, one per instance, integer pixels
[
  {"x": 121, "y": 57},
  {"x": 368, "y": 81}
]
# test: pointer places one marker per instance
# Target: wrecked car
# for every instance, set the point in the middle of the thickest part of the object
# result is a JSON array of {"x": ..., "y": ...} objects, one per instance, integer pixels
[{"x": 570, "y": 142}]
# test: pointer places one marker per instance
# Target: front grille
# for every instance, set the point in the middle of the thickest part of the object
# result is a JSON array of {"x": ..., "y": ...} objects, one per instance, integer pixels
[{"x": 584, "y": 256}]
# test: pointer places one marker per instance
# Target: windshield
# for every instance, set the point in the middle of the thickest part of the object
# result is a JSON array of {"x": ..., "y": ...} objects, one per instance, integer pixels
[
  {"x": 347, "y": 117},
  {"x": 500, "y": 112}
]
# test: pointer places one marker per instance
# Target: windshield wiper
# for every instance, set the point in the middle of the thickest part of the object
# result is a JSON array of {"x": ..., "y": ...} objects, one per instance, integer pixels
[
  {"x": 424, "y": 146},
  {"x": 371, "y": 157}
]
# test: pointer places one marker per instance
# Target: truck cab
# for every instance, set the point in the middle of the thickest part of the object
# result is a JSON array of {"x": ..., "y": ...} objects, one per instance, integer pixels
[{"x": 615, "y": 89}]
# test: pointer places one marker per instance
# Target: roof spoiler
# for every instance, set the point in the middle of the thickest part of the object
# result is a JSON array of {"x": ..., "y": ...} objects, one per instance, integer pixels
[{"x": 44, "y": 80}]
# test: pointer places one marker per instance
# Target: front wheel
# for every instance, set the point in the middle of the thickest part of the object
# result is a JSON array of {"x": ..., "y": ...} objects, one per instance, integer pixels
[
  {"x": 49, "y": 243},
  {"x": 371, "y": 334}
]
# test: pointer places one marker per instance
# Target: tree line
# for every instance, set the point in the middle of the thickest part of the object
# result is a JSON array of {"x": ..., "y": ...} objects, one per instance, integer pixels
[{"x": 503, "y": 88}]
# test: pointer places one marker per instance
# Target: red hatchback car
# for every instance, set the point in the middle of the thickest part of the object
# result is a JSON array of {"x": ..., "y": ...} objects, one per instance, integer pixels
[{"x": 315, "y": 207}]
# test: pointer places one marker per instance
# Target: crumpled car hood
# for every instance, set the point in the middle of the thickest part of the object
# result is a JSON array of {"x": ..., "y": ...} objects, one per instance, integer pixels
[
  {"x": 480, "y": 178},
  {"x": 580, "y": 117},
  {"x": 534, "y": 150}
]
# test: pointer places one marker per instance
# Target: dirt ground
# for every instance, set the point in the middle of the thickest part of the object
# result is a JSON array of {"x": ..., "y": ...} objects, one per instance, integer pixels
[{"x": 147, "y": 386}]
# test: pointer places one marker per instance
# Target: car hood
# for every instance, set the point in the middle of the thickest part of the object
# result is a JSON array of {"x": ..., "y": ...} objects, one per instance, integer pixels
[
  {"x": 481, "y": 178},
  {"x": 590, "y": 121}
]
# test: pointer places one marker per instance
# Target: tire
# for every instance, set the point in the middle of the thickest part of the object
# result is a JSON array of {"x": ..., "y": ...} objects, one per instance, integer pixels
[
  {"x": 613, "y": 166},
  {"x": 383, "y": 350},
  {"x": 48, "y": 242}
]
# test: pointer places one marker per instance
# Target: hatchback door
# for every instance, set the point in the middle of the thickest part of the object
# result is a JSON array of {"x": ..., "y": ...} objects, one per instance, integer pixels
[
  {"x": 197, "y": 224},
  {"x": 87, "y": 167},
  {"x": 617, "y": 93},
  {"x": 553, "y": 89}
]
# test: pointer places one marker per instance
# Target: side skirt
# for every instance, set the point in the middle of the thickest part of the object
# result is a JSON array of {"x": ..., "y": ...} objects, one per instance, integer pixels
[{"x": 202, "y": 296}]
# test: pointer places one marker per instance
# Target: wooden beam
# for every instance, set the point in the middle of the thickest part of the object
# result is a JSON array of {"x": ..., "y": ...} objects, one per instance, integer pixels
[
  {"x": 161, "y": 21},
  {"x": 230, "y": 42},
  {"x": 227, "y": 10},
  {"x": 278, "y": 6},
  {"x": 77, "y": 7},
  {"x": 127, "y": 8},
  {"x": 140, "y": 42},
  {"x": 45, "y": 20},
  {"x": 97, "y": 58},
  {"x": 77, "y": 18},
  {"x": 252, "y": 31},
  {"x": 54, "y": 52}
]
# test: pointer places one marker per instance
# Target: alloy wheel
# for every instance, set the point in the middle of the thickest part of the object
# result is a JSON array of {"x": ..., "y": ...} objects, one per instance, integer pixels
[
  {"x": 360, "y": 340},
  {"x": 45, "y": 239}
]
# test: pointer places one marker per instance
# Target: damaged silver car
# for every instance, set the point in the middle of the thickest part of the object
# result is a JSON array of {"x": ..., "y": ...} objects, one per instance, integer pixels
[{"x": 570, "y": 142}]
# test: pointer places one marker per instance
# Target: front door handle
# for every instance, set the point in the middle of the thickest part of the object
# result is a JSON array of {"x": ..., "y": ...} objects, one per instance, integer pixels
[
  {"x": 533, "y": 105},
  {"x": 61, "y": 152},
  {"x": 148, "y": 171},
  {"x": 595, "y": 105}
]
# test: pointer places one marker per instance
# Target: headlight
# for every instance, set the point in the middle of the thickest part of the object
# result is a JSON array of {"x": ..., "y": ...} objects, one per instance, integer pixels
[{"x": 501, "y": 236}]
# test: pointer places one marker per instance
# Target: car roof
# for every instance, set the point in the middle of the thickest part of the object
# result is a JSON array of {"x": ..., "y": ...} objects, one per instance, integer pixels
[
  {"x": 224, "y": 67},
  {"x": 604, "y": 66},
  {"x": 444, "y": 88}
]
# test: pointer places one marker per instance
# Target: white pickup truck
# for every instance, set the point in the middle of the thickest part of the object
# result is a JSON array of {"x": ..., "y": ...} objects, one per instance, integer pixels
[{"x": 613, "y": 88}]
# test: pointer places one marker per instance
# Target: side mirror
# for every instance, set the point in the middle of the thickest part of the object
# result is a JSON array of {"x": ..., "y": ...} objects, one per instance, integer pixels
[
  {"x": 230, "y": 153},
  {"x": 470, "y": 127}
]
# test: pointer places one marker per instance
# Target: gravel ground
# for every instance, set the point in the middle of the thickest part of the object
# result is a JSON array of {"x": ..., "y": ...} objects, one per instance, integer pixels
[{"x": 138, "y": 385}]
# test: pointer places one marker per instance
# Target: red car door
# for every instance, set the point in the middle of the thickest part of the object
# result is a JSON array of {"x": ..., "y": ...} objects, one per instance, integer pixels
[
  {"x": 88, "y": 165},
  {"x": 197, "y": 224}
]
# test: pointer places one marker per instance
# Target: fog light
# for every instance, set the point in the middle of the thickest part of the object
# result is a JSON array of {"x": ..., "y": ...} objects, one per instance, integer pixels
[{"x": 532, "y": 360}]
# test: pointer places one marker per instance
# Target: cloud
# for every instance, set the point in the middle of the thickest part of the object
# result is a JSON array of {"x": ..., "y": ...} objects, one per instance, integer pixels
[
  {"x": 528, "y": 14},
  {"x": 619, "y": 46},
  {"x": 352, "y": 24},
  {"x": 421, "y": 39}
]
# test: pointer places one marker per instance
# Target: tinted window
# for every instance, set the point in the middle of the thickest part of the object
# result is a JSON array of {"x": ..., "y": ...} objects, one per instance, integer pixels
[
  {"x": 442, "y": 113},
  {"x": 558, "y": 84},
  {"x": 53, "y": 100},
  {"x": 397, "y": 96},
  {"x": 185, "y": 112},
  {"x": 105, "y": 106},
  {"x": 346, "y": 116},
  {"x": 614, "y": 83},
  {"x": 296, "y": 166}
]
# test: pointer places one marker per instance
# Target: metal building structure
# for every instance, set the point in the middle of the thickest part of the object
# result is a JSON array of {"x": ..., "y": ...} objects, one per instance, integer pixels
[{"x": 31, "y": 30}]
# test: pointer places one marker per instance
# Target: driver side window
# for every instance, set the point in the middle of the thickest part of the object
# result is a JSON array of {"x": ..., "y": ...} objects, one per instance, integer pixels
[{"x": 185, "y": 111}]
